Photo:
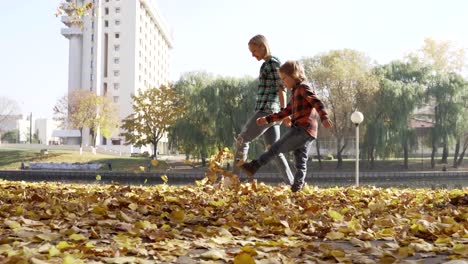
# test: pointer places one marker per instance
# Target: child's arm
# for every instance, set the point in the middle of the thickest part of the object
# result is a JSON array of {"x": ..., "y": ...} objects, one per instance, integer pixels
[
  {"x": 312, "y": 98},
  {"x": 285, "y": 112}
]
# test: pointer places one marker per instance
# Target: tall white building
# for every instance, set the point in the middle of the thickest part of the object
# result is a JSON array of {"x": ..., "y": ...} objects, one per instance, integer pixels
[{"x": 121, "y": 46}]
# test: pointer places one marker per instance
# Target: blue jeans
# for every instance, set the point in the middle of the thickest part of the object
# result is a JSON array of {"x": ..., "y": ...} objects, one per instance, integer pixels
[
  {"x": 271, "y": 134},
  {"x": 297, "y": 140}
]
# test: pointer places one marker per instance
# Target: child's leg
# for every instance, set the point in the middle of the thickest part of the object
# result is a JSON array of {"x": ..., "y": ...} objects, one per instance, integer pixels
[
  {"x": 295, "y": 138},
  {"x": 250, "y": 131},
  {"x": 301, "y": 155},
  {"x": 270, "y": 137}
]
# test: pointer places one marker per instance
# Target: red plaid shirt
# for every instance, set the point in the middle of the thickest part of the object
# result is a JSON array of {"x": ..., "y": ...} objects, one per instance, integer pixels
[{"x": 304, "y": 107}]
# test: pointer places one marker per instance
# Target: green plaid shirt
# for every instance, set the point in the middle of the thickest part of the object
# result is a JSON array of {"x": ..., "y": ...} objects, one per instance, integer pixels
[{"x": 268, "y": 86}]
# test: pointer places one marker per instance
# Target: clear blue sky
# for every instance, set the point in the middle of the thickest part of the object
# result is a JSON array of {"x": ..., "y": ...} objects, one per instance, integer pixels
[{"x": 212, "y": 35}]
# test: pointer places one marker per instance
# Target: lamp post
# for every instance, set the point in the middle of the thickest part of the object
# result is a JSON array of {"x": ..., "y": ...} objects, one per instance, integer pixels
[{"x": 357, "y": 117}]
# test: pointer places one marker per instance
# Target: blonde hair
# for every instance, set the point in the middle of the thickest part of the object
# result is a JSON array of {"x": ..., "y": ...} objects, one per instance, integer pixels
[
  {"x": 259, "y": 41},
  {"x": 293, "y": 69}
]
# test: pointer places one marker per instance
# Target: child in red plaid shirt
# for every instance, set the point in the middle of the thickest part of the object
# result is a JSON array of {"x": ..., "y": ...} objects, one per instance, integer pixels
[{"x": 301, "y": 114}]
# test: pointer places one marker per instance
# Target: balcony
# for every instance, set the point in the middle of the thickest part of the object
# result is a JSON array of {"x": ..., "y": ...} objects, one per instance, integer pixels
[
  {"x": 69, "y": 32},
  {"x": 70, "y": 20}
]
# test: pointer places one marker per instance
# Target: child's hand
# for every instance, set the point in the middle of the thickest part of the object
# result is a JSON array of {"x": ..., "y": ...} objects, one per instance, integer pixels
[
  {"x": 261, "y": 121},
  {"x": 327, "y": 123},
  {"x": 287, "y": 121}
]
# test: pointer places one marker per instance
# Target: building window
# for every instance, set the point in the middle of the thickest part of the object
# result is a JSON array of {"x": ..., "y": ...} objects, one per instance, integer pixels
[
  {"x": 116, "y": 73},
  {"x": 91, "y": 77},
  {"x": 116, "y": 47},
  {"x": 117, "y": 35},
  {"x": 117, "y": 22},
  {"x": 106, "y": 11},
  {"x": 116, "y": 86},
  {"x": 117, "y": 10},
  {"x": 106, "y": 23},
  {"x": 116, "y": 60},
  {"x": 92, "y": 37},
  {"x": 116, "y": 99}
]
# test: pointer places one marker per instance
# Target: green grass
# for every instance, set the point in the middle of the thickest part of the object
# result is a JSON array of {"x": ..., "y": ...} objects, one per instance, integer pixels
[{"x": 10, "y": 159}]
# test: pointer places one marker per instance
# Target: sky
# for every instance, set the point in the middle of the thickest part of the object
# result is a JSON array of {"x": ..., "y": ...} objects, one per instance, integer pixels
[{"x": 212, "y": 36}]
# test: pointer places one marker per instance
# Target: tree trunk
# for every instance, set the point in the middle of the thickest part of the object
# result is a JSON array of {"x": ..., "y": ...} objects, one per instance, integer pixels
[
  {"x": 339, "y": 152},
  {"x": 81, "y": 141},
  {"x": 434, "y": 149},
  {"x": 405, "y": 154},
  {"x": 457, "y": 150},
  {"x": 155, "y": 150},
  {"x": 445, "y": 153},
  {"x": 462, "y": 155},
  {"x": 319, "y": 157}
]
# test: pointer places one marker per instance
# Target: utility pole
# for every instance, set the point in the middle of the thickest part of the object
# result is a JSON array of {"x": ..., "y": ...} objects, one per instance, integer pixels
[{"x": 30, "y": 128}]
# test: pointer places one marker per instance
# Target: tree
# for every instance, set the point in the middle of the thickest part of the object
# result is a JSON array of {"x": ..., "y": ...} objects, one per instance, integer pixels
[
  {"x": 11, "y": 136},
  {"x": 446, "y": 60},
  {"x": 443, "y": 56},
  {"x": 81, "y": 108},
  {"x": 194, "y": 133},
  {"x": 401, "y": 91},
  {"x": 447, "y": 91},
  {"x": 345, "y": 82},
  {"x": 8, "y": 107},
  {"x": 155, "y": 110}
]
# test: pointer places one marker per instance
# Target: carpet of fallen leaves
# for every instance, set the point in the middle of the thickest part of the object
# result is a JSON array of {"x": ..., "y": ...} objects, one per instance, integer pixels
[{"x": 220, "y": 220}]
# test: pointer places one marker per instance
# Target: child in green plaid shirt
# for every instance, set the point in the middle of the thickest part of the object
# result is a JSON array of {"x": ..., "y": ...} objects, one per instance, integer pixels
[{"x": 271, "y": 97}]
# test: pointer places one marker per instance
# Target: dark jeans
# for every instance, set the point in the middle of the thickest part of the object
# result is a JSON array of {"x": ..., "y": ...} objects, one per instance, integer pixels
[
  {"x": 297, "y": 140},
  {"x": 271, "y": 134}
]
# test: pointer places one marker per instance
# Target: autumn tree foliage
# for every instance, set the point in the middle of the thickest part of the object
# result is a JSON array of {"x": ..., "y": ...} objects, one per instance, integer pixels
[
  {"x": 345, "y": 82},
  {"x": 82, "y": 108},
  {"x": 154, "y": 111}
]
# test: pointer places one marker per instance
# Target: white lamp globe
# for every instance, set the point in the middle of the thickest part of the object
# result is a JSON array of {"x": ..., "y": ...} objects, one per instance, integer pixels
[{"x": 357, "y": 117}]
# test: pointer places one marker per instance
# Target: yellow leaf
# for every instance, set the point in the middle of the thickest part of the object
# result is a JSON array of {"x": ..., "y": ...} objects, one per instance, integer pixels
[
  {"x": 71, "y": 260},
  {"x": 12, "y": 224},
  {"x": 335, "y": 235},
  {"x": 142, "y": 168},
  {"x": 98, "y": 177},
  {"x": 53, "y": 251},
  {"x": 64, "y": 245},
  {"x": 154, "y": 163},
  {"x": 164, "y": 178},
  {"x": 243, "y": 258},
  {"x": 249, "y": 250},
  {"x": 461, "y": 249},
  {"x": 335, "y": 215},
  {"x": 218, "y": 203},
  {"x": 77, "y": 237},
  {"x": 214, "y": 254},
  {"x": 133, "y": 206},
  {"x": 178, "y": 215}
]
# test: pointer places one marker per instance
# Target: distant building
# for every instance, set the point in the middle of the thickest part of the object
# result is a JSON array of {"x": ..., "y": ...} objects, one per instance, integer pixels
[
  {"x": 67, "y": 137},
  {"x": 122, "y": 46},
  {"x": 44, "y": 129}
]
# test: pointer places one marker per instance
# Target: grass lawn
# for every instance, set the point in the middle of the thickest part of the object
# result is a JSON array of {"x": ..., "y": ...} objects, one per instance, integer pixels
[{"x": 10, "y": 159}]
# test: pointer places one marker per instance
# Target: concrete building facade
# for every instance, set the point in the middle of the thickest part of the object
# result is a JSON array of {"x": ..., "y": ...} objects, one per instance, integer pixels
[{"x": 119, "y": 47}]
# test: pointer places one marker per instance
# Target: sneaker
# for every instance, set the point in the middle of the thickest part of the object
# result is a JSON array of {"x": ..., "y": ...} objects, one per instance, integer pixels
[
  {"x": 250, "y": 168},
  {"x": 297, "y": 187}
]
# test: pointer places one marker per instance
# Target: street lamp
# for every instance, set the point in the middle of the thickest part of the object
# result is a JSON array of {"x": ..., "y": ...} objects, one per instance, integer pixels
[{"x": 357, "y": 117}]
